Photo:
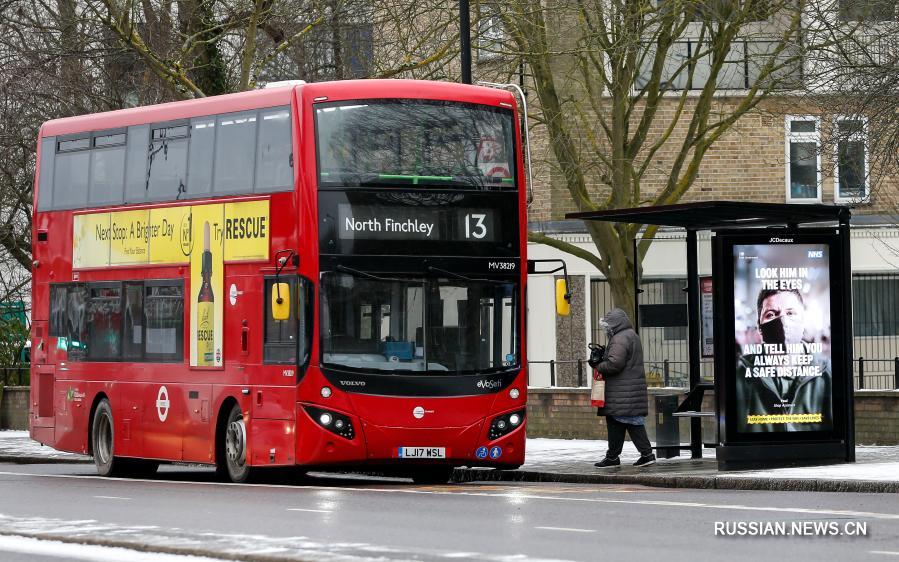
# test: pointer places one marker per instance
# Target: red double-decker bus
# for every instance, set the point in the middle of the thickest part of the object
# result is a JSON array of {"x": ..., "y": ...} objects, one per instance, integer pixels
[{"x": 317, "y": 275}]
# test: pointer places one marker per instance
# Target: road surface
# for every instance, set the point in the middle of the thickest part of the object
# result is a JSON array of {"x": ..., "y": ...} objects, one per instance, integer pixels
[{"x": 183, "y": 510}]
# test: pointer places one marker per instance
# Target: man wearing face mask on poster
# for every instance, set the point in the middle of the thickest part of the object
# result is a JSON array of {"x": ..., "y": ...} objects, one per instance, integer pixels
[{"x": 781, "y": 321}]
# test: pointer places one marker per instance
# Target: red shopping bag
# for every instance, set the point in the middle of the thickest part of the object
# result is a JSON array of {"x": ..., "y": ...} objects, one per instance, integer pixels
[{"x": 598, "y": 391}]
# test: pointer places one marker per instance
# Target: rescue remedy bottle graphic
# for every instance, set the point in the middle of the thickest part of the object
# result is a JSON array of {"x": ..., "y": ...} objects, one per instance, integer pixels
[{"x": 206, "y": 308}]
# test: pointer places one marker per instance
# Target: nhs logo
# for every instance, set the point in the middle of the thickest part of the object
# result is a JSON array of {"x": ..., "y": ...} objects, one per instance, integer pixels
[{"x": 815, "y": 254}]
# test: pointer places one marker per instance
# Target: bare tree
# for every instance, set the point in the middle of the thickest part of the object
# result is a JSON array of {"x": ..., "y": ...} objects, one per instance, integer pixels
[
  {"x": 71, "y": 57},
  {"x": 629, "y": 94},
  {"x": 852, "y": 53}
]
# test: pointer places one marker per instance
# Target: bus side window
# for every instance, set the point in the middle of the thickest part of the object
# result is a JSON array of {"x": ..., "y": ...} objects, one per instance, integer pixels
[
  {"x": 136, "y": 164},
  {"x": 76, "y": 321},
  {"x": 133, "y": 319},
  {"x": 104, "y": 319},
  {"x": 167, "y": 163},
  {"x": 58, "y": 300},
  {"x": 164, "y": 316},
  {"x": 273, "y": 170},
  {"x": 199, "y": 165},
  {"x": 45, "y": 184},
  {"x": 71, "y": 173},
  {"x": 234, "y": 154},
  {"x": 107, "y": 169}
]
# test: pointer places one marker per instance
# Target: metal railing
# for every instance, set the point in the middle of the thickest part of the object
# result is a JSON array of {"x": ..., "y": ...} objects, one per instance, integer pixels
[
  {"x": 870, "y": 374},
  {"x": 15, "y": 376},
  {"x": 582, "y": 370},
  {"x": 877, "y": 374}
]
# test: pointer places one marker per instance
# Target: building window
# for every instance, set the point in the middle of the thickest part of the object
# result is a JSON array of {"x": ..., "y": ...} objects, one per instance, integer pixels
[
  {"x": 875, "y": 311},
  {"x": 868, "y": 10},
  {"x": 851, "y": 172},
  {"x": 490, "y": 33},
  {"x": 803, "y": 160}
]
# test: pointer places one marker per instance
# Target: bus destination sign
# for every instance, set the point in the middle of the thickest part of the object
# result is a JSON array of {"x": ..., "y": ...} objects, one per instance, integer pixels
[{"x": 373, "y": 222}]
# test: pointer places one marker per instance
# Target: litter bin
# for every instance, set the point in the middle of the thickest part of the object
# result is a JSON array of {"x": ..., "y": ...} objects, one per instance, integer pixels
[{"x": 667, "y": 426}]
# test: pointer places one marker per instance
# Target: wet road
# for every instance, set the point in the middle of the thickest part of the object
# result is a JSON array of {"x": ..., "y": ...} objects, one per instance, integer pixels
[{"x": 183, "y": 510}]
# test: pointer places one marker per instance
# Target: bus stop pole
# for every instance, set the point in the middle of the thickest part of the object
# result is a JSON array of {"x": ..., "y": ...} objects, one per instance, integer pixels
[
  {"x": 845, "y": 242},
  {"x": 693, "y": 336}
]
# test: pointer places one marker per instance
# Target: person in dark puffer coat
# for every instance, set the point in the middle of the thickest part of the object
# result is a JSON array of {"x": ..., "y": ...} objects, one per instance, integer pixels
[{"x": 626, "y": 396}]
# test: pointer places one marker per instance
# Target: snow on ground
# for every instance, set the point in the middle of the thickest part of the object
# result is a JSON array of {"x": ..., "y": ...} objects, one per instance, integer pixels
[
  {"x": 92, "y": 553},
  {"x": 541, "y": 453},
  {"x": 227, "y": 545},
  {"x": 20, "y": 444}
]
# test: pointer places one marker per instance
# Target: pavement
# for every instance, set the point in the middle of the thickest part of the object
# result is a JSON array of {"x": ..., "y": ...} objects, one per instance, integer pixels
[{"x": 571, "y": 461}]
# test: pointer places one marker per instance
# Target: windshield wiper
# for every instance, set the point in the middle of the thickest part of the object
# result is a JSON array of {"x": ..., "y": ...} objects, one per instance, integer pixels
[
  {"x": 432, "y": 269},
  {"x": 359, "y": 273}
]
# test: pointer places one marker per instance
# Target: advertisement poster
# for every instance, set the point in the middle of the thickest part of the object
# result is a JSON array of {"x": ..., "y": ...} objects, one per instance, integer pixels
[
  {"x": 205, "y": 236},
  {"x": 206, "y": 285},
  {"x": 706, "y": 298},
  {"x": 783, "y": 338}
]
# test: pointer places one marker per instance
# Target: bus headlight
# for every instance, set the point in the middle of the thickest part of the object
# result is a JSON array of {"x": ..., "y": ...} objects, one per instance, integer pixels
[
  {"x": 334, "y": 422},
  {"x": 326, "y": 392},
  {"x": 501, "y": 425},
  {"x": 514, "y": 394}
]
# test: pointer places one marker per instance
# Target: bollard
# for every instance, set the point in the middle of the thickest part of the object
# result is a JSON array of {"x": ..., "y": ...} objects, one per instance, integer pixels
[
  {"x": 552, "y": 372},
  {"x": 666, "y": 372},
  {"x": 861, "y": 373}
]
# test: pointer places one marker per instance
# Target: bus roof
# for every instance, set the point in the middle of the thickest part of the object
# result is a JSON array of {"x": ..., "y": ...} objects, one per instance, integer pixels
[{"x": 333, "y": 91}]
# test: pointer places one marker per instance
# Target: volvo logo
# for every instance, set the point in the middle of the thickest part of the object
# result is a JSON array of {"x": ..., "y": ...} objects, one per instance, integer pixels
[{"x": 352, "y": 383}]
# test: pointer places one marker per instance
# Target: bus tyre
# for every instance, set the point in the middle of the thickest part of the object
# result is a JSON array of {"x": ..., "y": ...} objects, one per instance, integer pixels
[
  {"x": 439, "y": 475},
  {"x": 103, "y": 440},
  {"x": 234, "y": 448}
]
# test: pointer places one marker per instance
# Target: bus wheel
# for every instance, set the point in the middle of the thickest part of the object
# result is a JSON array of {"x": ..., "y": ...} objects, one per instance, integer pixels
[
  {"x": 235, "y": 446},
  {"x": 440, "y": 475},
  {"x": 103, "y": 440}
]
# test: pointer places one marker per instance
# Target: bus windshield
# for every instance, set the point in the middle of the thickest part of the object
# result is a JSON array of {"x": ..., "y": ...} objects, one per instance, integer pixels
[
  {"x": 383, "y": 143},
  {"x": 438, "y": 326}
]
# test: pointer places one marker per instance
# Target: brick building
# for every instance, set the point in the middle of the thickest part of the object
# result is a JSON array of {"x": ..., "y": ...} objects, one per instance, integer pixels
[{"x": 789, "y": 149}]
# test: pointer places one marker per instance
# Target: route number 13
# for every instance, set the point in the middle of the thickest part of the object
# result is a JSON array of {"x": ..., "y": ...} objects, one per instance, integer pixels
[{"x": 480, "y": 229}]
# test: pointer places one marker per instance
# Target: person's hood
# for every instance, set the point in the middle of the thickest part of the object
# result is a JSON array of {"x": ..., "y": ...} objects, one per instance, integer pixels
[{"x": 617, "y": 320}]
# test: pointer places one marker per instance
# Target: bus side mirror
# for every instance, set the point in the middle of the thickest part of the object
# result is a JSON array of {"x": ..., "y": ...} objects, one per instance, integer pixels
[
  {"x": 280, "y": 301},
  {"x": 563, "y": 298}
]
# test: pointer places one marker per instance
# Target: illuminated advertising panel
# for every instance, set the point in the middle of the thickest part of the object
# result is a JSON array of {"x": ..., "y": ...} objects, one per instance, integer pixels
[
  {"x": 781, "y": 372},
  {"x": 782, "y": 336}
]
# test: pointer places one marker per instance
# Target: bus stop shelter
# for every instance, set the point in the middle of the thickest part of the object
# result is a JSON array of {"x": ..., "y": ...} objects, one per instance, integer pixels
[{"x": 784, "y": 223}]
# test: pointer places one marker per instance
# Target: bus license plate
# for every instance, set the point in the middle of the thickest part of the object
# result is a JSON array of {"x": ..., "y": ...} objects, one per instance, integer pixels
[{"x": 422, "y": 452}]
